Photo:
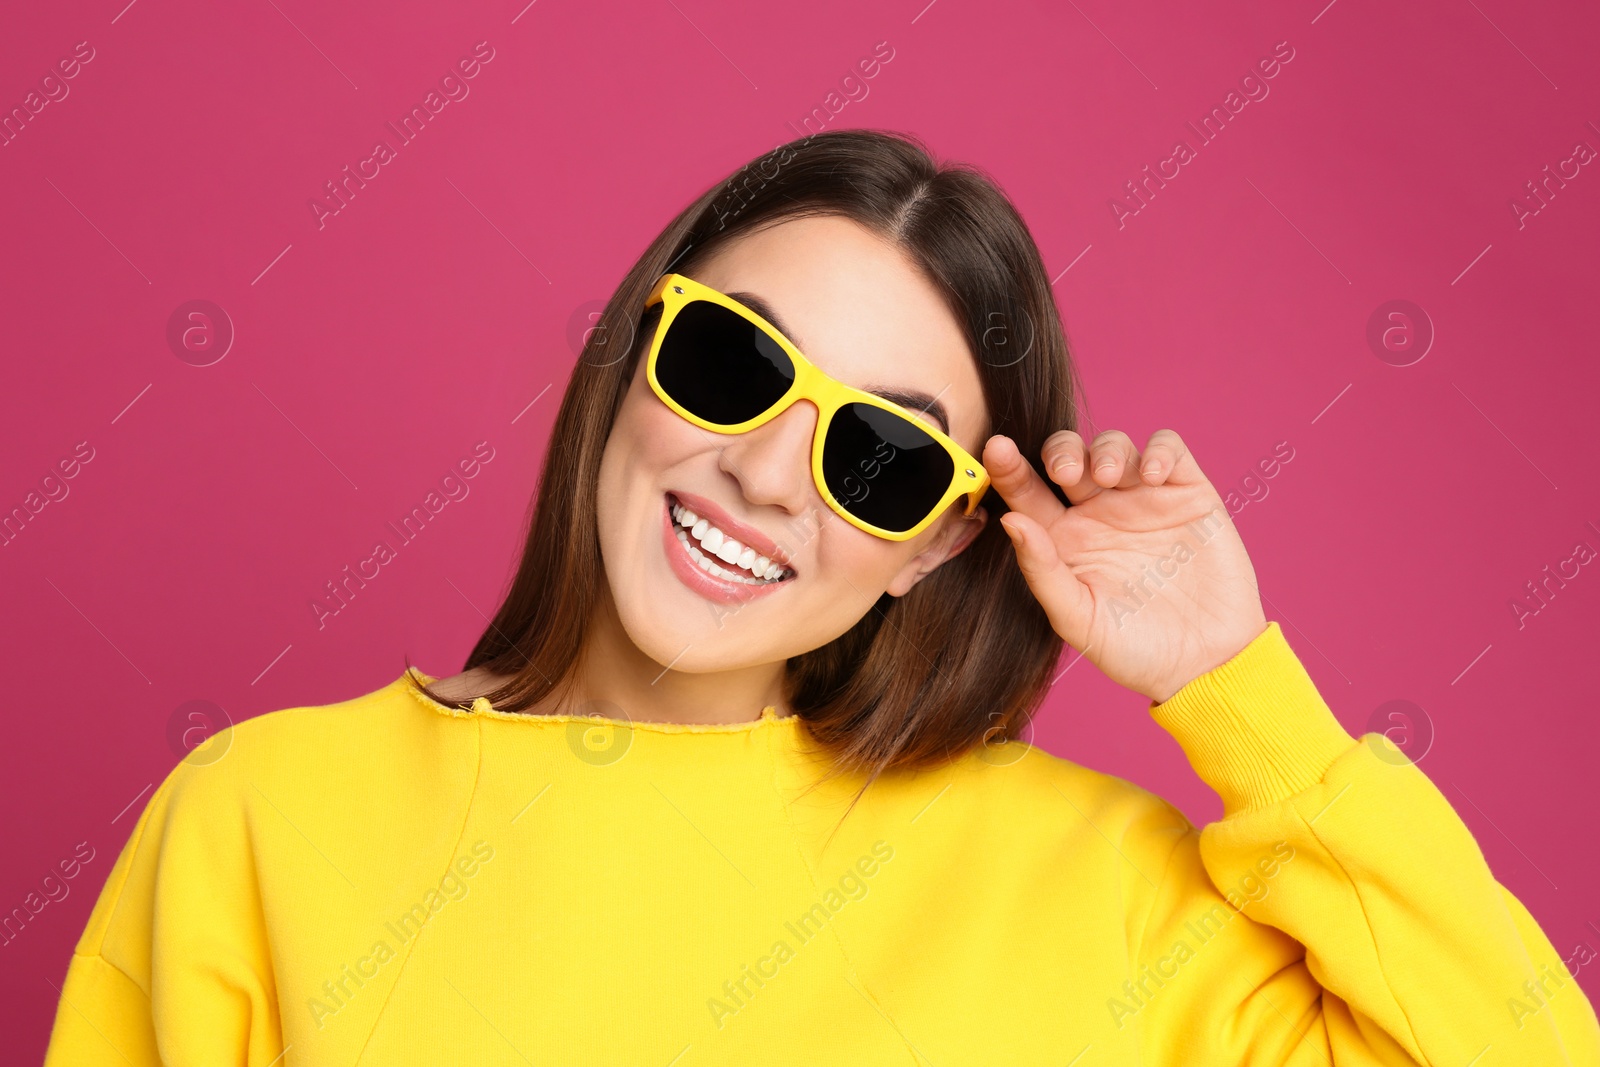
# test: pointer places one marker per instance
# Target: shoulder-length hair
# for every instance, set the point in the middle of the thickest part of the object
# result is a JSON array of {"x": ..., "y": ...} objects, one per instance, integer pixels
[{"x": 965, "y": 657}]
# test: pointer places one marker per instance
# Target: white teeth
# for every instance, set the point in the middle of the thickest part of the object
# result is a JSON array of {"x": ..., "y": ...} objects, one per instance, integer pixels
[
  {"x": 691, "y": 528},
  {"x": 703, "y": 561}
]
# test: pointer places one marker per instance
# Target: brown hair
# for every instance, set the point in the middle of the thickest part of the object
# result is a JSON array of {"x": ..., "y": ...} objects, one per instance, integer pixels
[{"x": 965, "y": 657}]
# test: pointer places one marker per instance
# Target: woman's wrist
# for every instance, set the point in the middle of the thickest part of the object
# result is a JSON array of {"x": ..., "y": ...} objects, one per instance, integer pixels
[{"x": 1255, "y": 728}]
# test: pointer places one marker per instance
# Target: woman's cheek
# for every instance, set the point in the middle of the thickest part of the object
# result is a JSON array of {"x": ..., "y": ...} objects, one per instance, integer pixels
[{"x": 869, "y": 563}]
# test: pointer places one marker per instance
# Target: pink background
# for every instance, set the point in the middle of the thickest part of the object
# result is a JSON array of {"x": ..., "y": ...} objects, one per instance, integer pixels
[{"x": 438, "y": 308}]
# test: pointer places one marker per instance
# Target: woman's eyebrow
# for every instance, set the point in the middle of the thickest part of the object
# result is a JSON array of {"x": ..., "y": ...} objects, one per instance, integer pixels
[
  {"x": 764, "y": 309},
  {"x": 911, "y": 399}
]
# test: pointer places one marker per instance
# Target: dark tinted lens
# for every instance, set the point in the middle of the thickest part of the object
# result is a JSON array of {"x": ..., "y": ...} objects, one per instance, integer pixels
[
  {"x": 718, "y": 365},
  {"x": 884, "y": 468}
]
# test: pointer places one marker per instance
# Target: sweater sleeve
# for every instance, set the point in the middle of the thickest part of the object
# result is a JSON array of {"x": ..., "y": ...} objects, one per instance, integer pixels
[
  {"x": 1339, "y": 912},
  {"x": 173, "y": 967}
]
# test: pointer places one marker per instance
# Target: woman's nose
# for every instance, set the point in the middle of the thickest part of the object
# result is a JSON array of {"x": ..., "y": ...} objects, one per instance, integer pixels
[{"x": 772, "y": 463}]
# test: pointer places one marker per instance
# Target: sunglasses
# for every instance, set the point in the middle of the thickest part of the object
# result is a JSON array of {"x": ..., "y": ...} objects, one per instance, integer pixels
[{"x": 726, "y": 369}]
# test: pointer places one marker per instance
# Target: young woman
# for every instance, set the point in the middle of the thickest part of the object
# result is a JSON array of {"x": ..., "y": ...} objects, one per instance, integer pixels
[{"x": 733, "y": 776}]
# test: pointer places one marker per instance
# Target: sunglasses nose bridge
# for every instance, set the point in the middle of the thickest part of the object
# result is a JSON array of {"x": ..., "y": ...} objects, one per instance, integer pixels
[
  {"x": 773, "y": 461},
  {"x": 816, "y": 388},
  {"x": 787, "y": 415}
]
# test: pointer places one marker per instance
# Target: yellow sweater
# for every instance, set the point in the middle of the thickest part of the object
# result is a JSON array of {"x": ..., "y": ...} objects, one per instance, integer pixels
[{"x": 391, "y": 881}]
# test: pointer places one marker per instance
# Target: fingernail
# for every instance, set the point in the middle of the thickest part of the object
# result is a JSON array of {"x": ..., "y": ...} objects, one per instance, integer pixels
[{"x": 1011, "y": 529}]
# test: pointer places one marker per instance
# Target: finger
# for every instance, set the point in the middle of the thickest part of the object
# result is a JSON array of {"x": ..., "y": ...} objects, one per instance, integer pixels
[
  {"x": 1168, "y": 461},
  {"x": 1018, "y": 484},
  {"x": 1114, "y": 461},
  {"x": 1065, "y": 458},
  {"x": 1065, "y": 600},
  {"x": 1161, "y": 455}
]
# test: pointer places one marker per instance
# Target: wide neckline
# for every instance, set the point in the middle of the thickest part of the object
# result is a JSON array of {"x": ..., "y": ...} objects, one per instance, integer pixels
[{"x": 481, "y": 708}]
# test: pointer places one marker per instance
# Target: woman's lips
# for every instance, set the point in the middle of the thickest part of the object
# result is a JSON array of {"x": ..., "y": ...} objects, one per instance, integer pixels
[
  {"x": 689, "y": 573},
  {"x": 744, "y": 533}
]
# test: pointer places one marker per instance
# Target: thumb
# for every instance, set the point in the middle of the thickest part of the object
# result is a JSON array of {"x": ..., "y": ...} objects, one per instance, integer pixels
[{"x": 1058, "y": 591}]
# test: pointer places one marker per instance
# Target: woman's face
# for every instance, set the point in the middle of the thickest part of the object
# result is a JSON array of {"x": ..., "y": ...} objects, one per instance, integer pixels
[{"x": 859, "y": 310}]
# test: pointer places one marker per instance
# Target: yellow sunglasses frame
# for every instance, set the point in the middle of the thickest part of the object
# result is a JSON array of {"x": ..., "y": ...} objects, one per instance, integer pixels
[{"x": 968, "y": 478}]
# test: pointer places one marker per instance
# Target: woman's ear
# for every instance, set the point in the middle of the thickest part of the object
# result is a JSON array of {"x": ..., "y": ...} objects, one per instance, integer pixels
[{"x": 953, "y": 534}]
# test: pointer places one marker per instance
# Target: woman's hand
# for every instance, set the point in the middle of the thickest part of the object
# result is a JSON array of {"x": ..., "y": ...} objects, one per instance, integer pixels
[{"x": 1145, "y": 574}]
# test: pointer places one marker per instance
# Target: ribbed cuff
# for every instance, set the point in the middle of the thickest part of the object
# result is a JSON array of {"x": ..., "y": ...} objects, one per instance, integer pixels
[{"x": 1255, "y": 729}]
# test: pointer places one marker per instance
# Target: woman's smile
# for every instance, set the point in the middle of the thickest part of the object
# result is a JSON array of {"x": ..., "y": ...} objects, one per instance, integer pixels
[{"x": 717, "y": 556}]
